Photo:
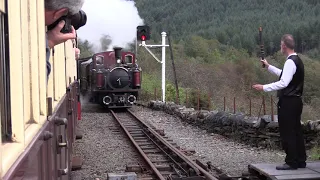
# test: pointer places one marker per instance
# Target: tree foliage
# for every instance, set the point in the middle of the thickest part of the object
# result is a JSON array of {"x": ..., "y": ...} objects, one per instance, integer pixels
[
  {"x": 86, "y": 48},
  {"x": 236, "y": 22}
]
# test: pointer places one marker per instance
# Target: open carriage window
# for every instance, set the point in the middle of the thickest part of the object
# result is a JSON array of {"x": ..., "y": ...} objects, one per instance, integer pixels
[
  {"x": 128, "y": 59},
  {"x": 4, "y": 79}
]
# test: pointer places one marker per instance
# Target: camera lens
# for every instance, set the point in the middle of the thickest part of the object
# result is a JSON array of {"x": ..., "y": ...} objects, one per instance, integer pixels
[{"x": 78, "y": 20}]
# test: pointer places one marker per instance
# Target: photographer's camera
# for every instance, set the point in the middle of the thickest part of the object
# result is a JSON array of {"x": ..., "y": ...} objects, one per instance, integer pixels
[{"x": 77, "y": 20}]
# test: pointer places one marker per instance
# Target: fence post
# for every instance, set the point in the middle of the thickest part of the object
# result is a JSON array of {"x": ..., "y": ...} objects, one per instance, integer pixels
[
  {"x": 264, "y": 105},
  {"x": 155, "y": 94},
  {"x": 186, "y": 98},
  {"x": 224, "y": 103},
  {"x": 234, "y": 105},
  {"x": 198, "y": 99},
  {"x": 272, "y": 118},
  {"x": 250, "y": 106},
  {"x": 209, "y": 100},
  {"x": 177, "y": 99}
]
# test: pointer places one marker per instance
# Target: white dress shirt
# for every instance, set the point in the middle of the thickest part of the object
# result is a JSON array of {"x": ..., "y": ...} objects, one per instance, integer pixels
[{"x": 288, "y": 71}]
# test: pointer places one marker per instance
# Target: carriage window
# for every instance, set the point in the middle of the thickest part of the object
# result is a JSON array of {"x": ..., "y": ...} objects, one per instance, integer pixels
[
  {"x": 4, "y": 80},
  {"x": 128, "y": 59}
]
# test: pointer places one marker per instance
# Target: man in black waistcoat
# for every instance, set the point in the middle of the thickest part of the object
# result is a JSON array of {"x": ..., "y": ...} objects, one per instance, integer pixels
[{"x": 289, "y": 91}]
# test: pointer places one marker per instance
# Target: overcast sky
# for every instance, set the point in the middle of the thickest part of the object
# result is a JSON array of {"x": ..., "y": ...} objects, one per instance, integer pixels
[{"x": 117, "y": 18}]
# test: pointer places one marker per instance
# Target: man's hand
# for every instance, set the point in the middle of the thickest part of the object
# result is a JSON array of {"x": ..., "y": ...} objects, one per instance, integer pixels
[
  {"x": 265, "y": 62},
  {"x": 258, "y": 87},
  {"x": 55, "y": 37}
]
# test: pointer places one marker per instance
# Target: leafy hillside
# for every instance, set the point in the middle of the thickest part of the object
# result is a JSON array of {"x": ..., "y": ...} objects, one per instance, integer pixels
[
  {"x": 236, "y": 22},
  {"x": 215, "y": 45}
]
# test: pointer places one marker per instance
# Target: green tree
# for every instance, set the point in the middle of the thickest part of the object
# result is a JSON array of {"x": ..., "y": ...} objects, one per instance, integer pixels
[
  {"x": 235, "y": 22},
  {"x": 85, "y": 48}
]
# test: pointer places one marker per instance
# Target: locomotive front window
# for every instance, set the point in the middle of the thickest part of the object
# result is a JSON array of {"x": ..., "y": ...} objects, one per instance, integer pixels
[
  {"x": 128, "y": 59},
  {"x": 4, "y": 80},
  {"x": 99, "y": 60}
]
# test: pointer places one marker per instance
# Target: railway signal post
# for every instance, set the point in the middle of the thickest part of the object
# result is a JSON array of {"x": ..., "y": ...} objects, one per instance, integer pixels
[{"x": 143, "y": 34}]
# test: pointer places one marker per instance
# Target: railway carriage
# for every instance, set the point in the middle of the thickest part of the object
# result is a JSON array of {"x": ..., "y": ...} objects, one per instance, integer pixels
[{"x": 38, "y": 120}]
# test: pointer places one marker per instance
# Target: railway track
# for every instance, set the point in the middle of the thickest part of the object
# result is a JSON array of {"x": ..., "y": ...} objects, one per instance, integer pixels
[{"x": 164, "y": 160}]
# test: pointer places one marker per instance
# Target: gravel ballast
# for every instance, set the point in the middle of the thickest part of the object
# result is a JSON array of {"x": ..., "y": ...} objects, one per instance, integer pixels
[
  {"x": 230, "y": 156},
  {"x": 101, "y": 152},
  {"x": 104, "y": 148}
]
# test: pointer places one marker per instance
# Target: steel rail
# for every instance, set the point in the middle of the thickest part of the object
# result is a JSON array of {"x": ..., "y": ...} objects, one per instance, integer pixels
[
  {"x": 175, "y": 162},
  {"x": 195, "y": 166},
  {"x": 145, "y": 157}
]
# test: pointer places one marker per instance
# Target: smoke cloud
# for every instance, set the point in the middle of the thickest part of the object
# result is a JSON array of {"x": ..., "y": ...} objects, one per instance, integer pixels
[{"x": 116, "y": 18}]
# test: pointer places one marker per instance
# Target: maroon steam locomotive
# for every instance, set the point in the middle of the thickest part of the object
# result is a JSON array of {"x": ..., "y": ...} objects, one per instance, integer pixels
[{"x": 111, "y": 78}]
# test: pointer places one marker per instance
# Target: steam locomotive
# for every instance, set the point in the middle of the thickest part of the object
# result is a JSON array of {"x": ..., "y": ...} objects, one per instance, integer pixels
[{"x": 111, "y": 78}]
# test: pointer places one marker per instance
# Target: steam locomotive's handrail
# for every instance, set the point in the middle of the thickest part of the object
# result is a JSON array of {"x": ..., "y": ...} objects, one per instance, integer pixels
[{"x": 85, "y": 58}]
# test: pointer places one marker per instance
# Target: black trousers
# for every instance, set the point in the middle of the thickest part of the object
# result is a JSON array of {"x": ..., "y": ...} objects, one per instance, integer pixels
[{"x": 289, "y": 116}]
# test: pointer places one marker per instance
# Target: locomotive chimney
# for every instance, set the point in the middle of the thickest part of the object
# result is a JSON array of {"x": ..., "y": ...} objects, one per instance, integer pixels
[{"x": 117, "y": 52}]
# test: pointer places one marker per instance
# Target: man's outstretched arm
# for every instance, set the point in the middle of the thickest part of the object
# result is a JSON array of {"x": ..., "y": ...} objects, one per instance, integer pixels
[{"x": 271, "y": 69}]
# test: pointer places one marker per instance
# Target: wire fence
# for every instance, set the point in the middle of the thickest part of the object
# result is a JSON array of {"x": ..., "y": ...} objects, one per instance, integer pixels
[{"x": 255, "y": 106}]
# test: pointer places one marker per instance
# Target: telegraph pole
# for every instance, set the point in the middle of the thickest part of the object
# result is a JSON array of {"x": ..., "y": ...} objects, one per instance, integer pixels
[{"x": 174, "y": 71}]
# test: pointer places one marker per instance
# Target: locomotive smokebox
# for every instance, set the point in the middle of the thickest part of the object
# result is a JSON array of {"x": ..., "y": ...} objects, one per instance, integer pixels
[{"x": 117, "y": 52}]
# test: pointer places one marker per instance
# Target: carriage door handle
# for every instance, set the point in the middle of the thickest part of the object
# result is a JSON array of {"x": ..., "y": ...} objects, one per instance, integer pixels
[{"x": 60, "y": 144}]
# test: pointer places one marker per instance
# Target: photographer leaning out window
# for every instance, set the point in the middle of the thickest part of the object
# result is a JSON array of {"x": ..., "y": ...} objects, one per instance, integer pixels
[{"x": 63, "y": 18}]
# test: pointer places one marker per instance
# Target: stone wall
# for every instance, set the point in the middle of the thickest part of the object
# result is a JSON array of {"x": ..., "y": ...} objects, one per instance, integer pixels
[{"x": 258, "y": 132}]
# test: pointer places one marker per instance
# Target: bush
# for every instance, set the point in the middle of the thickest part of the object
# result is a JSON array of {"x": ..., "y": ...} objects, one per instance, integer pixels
[
  {"x": 195, "y": 95},
  {"x": 149, "y": 84}
]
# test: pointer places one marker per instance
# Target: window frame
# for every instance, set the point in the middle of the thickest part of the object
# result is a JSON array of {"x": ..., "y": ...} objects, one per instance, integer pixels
[
  {"x": 102, "y": 60},
  {"x": 125, "y": 59},
  {"x": 2, "y": 6},
  {"x": 5, "y": 100}
]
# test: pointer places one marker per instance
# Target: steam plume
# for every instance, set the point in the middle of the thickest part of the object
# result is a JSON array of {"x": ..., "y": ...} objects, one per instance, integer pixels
[{"x": 116, "y": 18}]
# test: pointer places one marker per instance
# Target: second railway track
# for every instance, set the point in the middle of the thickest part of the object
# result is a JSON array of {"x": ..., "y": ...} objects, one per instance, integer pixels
[{"x": 164, "y": 161}]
